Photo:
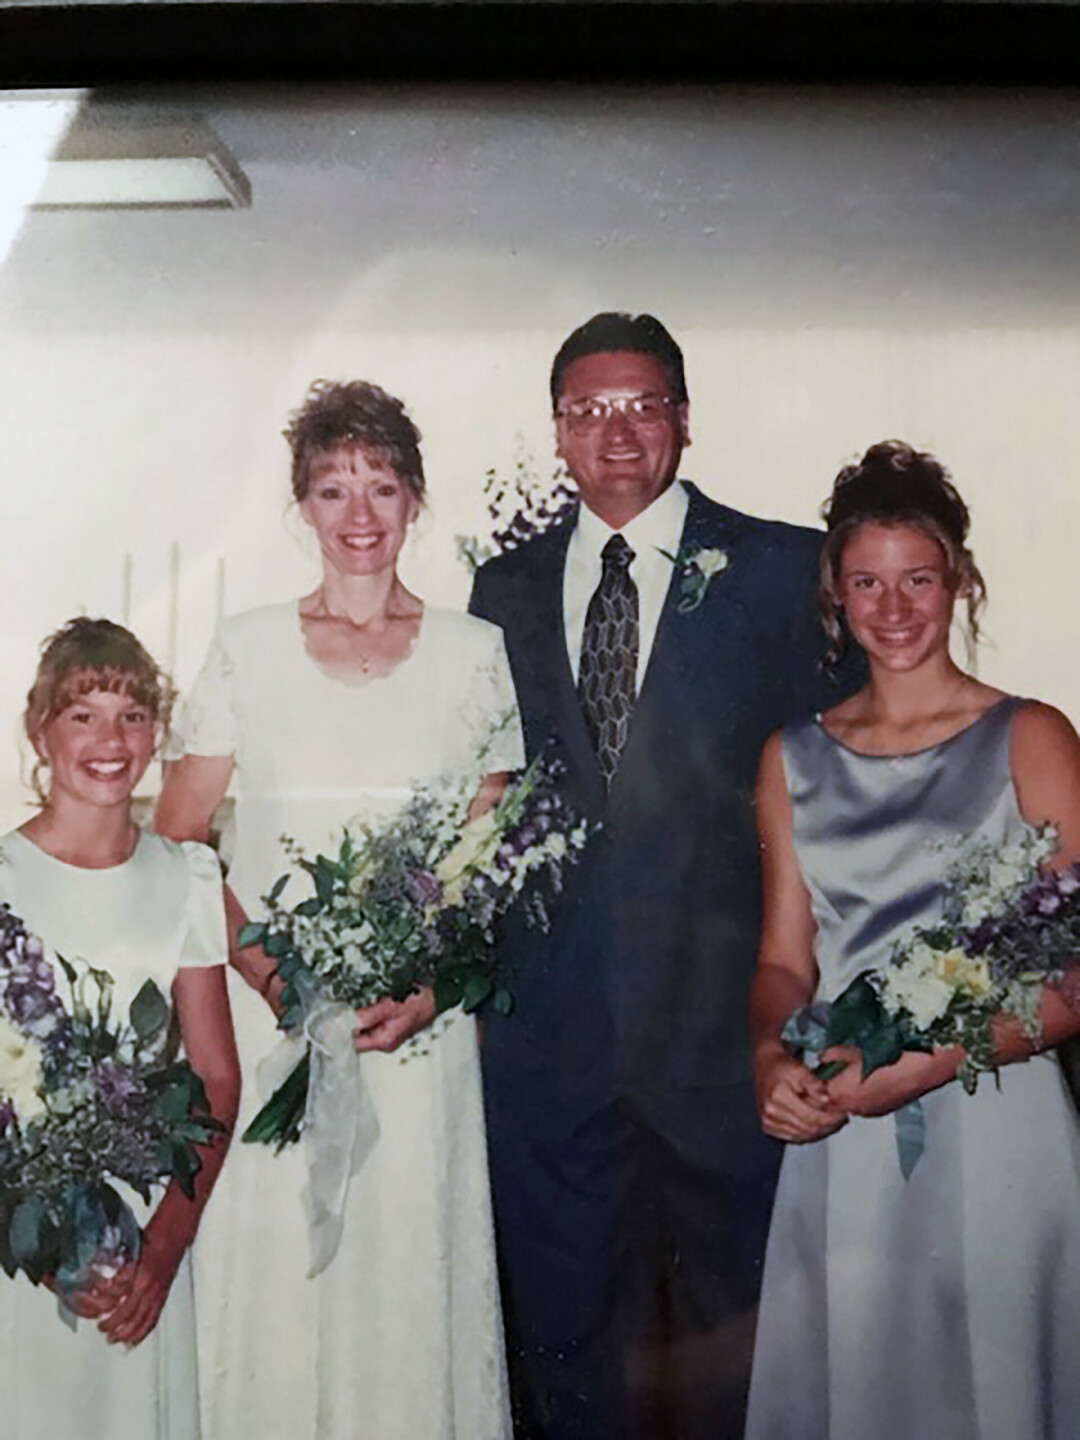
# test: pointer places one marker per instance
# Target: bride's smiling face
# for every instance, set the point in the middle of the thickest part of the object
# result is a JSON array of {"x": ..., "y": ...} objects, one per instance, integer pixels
[
  {"x": 359, "y": 509},
  {"x": 898, "y": 593}
]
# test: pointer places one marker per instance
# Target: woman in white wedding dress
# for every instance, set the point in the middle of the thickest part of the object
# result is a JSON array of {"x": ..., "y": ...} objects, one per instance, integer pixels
[
  {"x": 95, "y": 889},
  {"x": 944, "y": 1306},
  {"x": 326, "y": 708}
]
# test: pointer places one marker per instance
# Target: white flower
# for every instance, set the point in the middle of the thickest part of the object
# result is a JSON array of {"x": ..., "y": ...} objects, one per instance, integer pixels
[
  {"x": 356, "y": 934},
  {"x": 710, "y": 562},
  {"x": 697, "y": 569},
  {"x": 477, "y": 840},
  {"x": 920, "y": 959},
  {"x": 1008, "y": 872},
  {"x": 44, "y": 1025},
  {"x": 924, "y": 995},
  {"x": 21, "y": 1074},
  {"x": 962, "y": 973},
  {"x": 977, "y": 909},
  {"x": 125, "y": 1053}
]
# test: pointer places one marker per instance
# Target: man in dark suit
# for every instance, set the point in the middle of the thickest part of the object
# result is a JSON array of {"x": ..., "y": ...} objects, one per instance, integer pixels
[{"x": 632, "y": 1183}]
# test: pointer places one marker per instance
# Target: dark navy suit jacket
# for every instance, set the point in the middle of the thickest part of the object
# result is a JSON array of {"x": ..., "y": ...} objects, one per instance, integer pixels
[{"x": 640, "y": 989}]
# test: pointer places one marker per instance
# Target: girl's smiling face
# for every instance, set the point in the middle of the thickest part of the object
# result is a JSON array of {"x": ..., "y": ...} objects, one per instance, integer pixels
[
  {"x": 97, "y": 747},
  {"x": 898, "y": 594}
]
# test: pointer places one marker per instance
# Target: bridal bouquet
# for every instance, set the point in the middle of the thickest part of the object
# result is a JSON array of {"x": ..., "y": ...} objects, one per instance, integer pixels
[
  {"x": 1008, "y": 927},
  {"x": 411, "y": 903},
  {"x": 85, "y": 1100}
]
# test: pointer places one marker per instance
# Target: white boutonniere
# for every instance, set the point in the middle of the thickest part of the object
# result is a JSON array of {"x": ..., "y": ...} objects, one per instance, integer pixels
[{"x": 697, "y": 569}]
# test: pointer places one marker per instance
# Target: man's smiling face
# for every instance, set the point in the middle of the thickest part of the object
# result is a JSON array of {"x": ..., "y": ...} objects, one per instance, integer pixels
[{"x": 620, "y": 461}]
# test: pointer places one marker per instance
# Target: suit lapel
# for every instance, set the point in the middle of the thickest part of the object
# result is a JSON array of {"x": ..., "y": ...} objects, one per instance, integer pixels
[{"x": 688, "y": 639}]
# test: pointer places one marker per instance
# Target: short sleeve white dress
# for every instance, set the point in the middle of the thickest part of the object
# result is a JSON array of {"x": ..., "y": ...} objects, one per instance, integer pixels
[
  {"x": 400, "y": 1338},
  {"x": 142, "y": 920}
]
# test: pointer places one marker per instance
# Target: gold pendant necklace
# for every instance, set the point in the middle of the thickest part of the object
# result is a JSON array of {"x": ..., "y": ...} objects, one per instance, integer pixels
[{"x": 363, "y": 661}]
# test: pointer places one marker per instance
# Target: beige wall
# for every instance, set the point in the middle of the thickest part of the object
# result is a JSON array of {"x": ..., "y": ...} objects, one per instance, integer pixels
[{"x": 142, "y": 394}]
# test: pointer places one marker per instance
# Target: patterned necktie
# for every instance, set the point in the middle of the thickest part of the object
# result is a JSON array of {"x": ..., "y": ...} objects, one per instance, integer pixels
[{"x": 607, "y": 680}]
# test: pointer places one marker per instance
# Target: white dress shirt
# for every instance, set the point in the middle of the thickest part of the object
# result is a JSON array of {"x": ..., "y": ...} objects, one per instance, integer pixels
[{"x": 659, "y": 527}]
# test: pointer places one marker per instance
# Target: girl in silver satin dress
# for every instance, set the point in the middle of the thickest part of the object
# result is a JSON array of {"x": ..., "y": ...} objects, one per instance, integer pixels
[{"x": 945, "y": 1306}]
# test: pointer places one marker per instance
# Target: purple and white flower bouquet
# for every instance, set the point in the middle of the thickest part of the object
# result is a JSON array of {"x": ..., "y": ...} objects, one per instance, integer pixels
[
  {"x": 1009, "y": 926},
  {"x": 413, "y": 902},
  {"x": 85, "y": 1101}
]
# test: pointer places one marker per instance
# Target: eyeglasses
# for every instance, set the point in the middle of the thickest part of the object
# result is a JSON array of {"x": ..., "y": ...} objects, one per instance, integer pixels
[{"x": 590, "y": 413}]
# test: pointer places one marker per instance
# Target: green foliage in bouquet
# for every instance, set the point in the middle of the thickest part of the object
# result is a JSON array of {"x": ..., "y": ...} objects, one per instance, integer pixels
[
  {"x": 1009, "y": 927},
  {"x": 362, "y": 897},
  {"x": 412, "y": 903},
  {"x": 858, "y": 1018},
  {"x": 85, "y": 1102}
]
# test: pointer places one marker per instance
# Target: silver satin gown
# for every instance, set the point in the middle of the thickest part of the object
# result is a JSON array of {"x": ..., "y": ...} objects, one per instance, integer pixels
[{"x": 947, "y": 1306}]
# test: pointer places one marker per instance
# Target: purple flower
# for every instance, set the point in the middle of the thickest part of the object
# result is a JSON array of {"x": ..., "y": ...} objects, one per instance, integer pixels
[
  {"x": 1029, "y": 902},
  {"x": 26, "y": 1001},
  {"x": 7, "y": 1116},
  {"x": 977, "y": 940},
  {"x": 426, "y": 888},
  {"x": 117, "y": 1086},
  {"x": 131, "y": 1155}
]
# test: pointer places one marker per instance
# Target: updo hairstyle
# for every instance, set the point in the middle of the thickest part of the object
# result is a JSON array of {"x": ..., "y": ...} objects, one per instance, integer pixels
[
  {"x": 895, "y": 484},
  {"x": 354, "y": 412},
  {"x": 86, "y": 655}
]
